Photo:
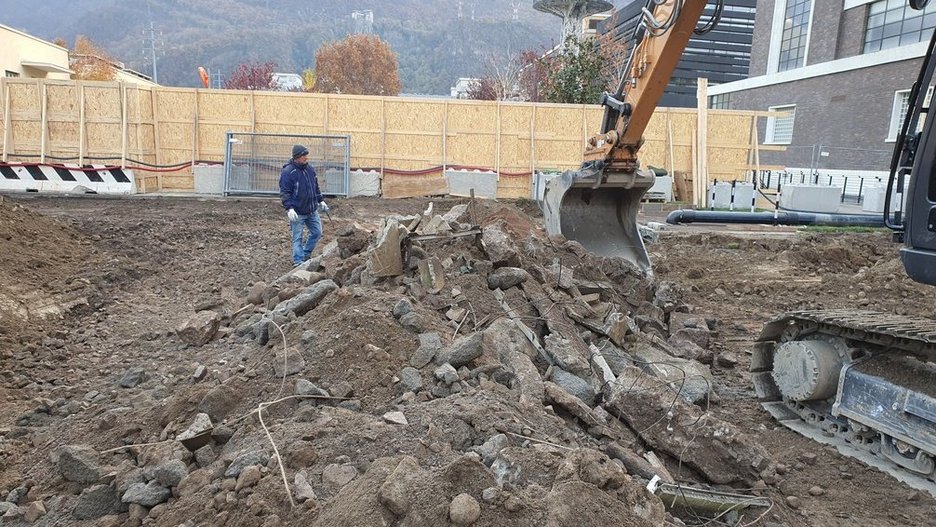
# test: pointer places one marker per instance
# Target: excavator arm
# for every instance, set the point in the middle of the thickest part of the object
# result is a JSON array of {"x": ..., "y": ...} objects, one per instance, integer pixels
[{"x": 597, "y": 205}]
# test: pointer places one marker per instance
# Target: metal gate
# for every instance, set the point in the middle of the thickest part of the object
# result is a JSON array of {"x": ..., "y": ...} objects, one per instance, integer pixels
[{"x": 252, "y": 161}]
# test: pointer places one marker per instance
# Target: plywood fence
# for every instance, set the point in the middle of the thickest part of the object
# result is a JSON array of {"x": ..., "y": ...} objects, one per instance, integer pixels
[{"x": 117, "y": 123}]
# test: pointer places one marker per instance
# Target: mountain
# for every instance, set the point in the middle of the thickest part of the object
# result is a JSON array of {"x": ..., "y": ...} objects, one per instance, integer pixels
[{"x": 435, "y": 46}]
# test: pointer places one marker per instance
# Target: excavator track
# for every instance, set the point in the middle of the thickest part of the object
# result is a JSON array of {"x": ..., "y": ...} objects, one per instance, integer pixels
[{"x": 863, "y": 382}]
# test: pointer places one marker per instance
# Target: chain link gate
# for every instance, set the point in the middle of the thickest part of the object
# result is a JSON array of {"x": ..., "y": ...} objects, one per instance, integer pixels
[{"x": 253, "y": 161}]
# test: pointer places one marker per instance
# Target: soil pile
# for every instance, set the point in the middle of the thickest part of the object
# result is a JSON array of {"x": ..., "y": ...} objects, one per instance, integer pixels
[{"x": 461, "y": 369}]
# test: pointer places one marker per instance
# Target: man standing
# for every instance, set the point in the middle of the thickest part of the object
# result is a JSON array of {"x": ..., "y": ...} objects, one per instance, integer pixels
[{"x": 299, "y": 191}]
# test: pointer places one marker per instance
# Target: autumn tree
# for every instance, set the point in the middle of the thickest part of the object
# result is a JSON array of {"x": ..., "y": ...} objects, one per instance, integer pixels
[
  {"x": 308, "y": 80},
  {"x": 91, "y": 63},
  {"x": 358, "y": 65},
  {"x": 252, "y": 76}
]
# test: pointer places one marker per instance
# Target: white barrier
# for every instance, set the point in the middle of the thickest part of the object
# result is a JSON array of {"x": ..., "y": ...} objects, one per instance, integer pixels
[{"x": 91, "y": 179}]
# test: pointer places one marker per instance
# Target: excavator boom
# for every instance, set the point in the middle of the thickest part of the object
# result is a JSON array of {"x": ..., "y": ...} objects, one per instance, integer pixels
[{"x": 597, "y": 205}]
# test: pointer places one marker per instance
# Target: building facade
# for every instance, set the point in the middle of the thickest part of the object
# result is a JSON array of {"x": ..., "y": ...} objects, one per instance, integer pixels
[
  {"x": 841, "y": 70},
  {"x": 23, "y": 55},
  {"x": 722, "y": 55}
]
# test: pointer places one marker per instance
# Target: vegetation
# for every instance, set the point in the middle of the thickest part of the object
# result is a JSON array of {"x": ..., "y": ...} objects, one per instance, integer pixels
[
  {"x": 254, "y": 76},
  {"x": 90, "y": 62},
  {"x": 358, "y": 65}
]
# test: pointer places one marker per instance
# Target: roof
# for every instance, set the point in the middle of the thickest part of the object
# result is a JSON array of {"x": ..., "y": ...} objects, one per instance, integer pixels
[
  {"x": 47, "y": 67},
  {"x": 24, "y": 34}
]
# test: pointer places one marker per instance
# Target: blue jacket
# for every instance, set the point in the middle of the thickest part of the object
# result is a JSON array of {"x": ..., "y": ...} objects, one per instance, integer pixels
[{"x": 299, "y": 188}]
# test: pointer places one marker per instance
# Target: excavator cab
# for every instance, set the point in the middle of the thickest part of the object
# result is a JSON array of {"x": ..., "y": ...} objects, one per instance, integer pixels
[{"x": 915, "y": 158}]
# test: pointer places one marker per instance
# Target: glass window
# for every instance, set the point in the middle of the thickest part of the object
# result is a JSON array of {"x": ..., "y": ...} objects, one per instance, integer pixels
[
  {"x": 795, "y": 31},
  {"x": 892, "y": 24},
  {"x": 11, "y": 73},
  {"x": 720, "y": 102},
  {"x": 899, "y": 112},
  {"x": 780, "y": 129}
]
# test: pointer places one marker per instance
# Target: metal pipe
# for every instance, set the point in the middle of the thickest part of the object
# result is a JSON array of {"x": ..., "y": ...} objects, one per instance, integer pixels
[{"x": 775, "y": 218}]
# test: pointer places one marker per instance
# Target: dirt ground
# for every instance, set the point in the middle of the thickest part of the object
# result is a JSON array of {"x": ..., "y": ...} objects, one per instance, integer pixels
[{"x": 91, "y": 288}]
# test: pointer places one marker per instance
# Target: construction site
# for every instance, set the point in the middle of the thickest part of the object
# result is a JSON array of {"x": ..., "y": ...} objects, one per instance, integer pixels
[{"x": 508, "y": 320}]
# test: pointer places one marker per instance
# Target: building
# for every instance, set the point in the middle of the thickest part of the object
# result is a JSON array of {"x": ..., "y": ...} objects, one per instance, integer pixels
[
  {"x": 462, "y": 86},
  {"x": 287, "y": 81},
  {"x": 23, "y": 55},
  {"x": 841, "y": 71},
  {"x": 722, "y": 55}
]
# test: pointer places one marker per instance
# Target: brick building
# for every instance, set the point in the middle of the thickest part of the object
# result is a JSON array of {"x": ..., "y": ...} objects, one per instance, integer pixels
[{"x": 841, "y": 69}]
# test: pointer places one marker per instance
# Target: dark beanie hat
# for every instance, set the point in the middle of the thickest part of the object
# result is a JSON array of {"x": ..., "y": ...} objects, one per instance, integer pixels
[{"x": 299, "y": 150}]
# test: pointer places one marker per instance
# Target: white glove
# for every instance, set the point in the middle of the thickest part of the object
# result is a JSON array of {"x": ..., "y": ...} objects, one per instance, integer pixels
[
  {"x": 292, "y": 215},
  {"x": 323, "y": 207}
]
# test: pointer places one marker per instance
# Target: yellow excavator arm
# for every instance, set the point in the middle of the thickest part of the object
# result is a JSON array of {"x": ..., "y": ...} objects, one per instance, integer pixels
[{"x": 597, "y": 205}]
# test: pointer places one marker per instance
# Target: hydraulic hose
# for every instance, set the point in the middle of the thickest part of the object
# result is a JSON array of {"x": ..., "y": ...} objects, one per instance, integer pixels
[{"x": 775, "y": 218}]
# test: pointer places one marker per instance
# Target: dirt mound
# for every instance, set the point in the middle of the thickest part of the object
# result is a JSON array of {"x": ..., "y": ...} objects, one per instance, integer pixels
[
  {"x": 43, "y": 259},
  {"x": 428, "y": 397}
]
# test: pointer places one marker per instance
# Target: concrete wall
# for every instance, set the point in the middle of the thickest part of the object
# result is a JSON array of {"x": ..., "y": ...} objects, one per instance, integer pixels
[{"x": 16, "y": 47}]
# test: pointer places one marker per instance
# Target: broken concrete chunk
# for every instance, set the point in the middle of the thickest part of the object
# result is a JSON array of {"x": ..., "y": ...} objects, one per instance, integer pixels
[
  {"x": 462, "y": 351},
  {"x": 395, "y": 418},
  {"x": 411, "y": 379},
  {"x": 499, "y": 247},
  {"x": 306, "y": 301},
  {"x": 456, "y": 214},
  {"x": 200, "y": 328},
  {"x": 432, "y": 275},
  {"x": 170, "y": 473},
  {"x": 304, "y": 387},
  {"x": 79, "y": 463},
  {"x": 402, "y": 307},
  {"x": 396, "y": 492},
  {"x": 302, "y": 489},
  {"x": 429, "y": 345},
  {"x": 507, "y": 277},
  {"x": 574, "y": 384},
  {"x": 447, "y": 374},
  {"x": 147, "y": 495},
  {"x": 201, "y": 423},
  {"x": 716, "y": 449},
  {"x": 690, "y": 379},
  {"x": 133, "y": 378},
  {"x": 96, "y": 501},
  {"x": 386, "y": 257},
  {"x": 435, "y": 226}
]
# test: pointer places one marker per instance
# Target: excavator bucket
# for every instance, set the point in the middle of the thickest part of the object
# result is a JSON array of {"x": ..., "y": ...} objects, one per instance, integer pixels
[{"x": 602, "y": 217}]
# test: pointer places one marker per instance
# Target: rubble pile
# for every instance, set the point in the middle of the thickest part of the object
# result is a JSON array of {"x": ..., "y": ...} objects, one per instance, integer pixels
[{"x": 454, "y": 369}]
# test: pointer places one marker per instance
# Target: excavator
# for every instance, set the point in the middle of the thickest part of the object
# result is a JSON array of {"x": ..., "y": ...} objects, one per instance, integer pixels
[{"x": 863, "y": 382}]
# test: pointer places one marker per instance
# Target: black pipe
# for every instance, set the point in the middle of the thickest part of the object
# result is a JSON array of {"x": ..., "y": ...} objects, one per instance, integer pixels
[{"x": 775, "y": 218}]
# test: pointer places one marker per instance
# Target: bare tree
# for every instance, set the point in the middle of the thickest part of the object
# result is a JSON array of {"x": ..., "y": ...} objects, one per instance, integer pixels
[{"x": 503, "y": 69}]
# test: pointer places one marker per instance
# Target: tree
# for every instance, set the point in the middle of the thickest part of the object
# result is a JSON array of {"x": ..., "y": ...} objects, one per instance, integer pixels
[
  {"x": 577, "y": 75},
  {"x": 482, "y": 89},
  {"x": 358, "y": 65},
  {"x": 252, "y": 76},
  {"x": 615, "y": 53},
  {"x": 534, "y": 75},
  {"x": 308, "y": 80},
  {"x": 90, "y": 62}
]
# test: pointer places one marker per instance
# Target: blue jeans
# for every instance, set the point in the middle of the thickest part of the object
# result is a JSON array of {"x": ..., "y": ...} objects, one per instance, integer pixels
[{"x": 301, "y": 252}]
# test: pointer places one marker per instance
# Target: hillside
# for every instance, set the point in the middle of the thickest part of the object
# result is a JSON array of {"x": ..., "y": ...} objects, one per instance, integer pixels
[{"x": 434, "y": 45}]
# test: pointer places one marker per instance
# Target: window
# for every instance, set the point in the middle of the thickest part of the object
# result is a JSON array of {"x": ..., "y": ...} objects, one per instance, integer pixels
[
  {"x": 795, "y": 37},
  {"x": 893, "y": 23},
  {"x": 899, "y": 112},
  {"x": 11, "y": 73},
  {"x": 720, "y": 102},
  {"x": 780, "y": 129}
]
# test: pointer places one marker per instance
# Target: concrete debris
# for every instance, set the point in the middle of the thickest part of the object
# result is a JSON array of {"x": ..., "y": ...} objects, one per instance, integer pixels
[
  {"x": 79, "y": 463},
  {"x": 200, "y": 328},
  {"x": 519, "y": 380},
  {"x": 716, "y": 449}
]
